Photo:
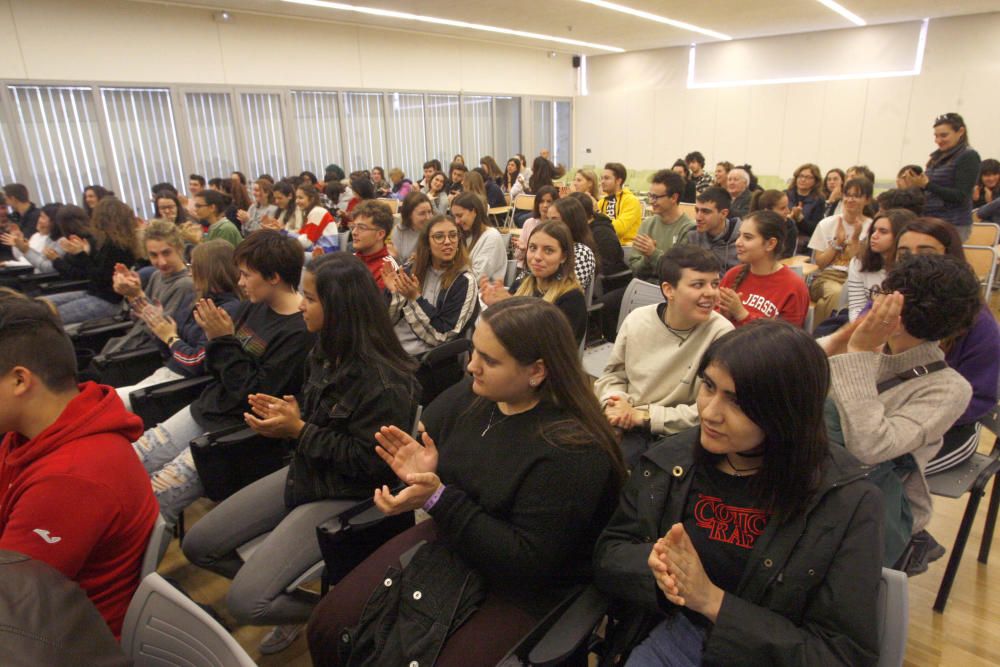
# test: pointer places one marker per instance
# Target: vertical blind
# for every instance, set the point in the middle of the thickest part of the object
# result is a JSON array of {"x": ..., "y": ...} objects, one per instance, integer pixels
[
  {"x": 445, "y": 138},
  {"x": 213, "y": 133},
  {"x": 144, "y": 146},
  {"x": 263, "y": 128},
  {"x": 477, "y": 127},
  {"x": 562, "y": 133},
  {"x": 364, "y": 127},
  {"x": 59, "y": 130},
  {"x": 317, "y": 122},
  {"x": 507, "y": 112},
  {"x": 407, "y": 134},
  {"x": 7, "y": 173}
]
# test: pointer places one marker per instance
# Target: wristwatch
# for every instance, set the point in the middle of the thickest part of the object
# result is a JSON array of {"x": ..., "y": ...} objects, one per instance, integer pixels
[{"x": 172, "y": 340}]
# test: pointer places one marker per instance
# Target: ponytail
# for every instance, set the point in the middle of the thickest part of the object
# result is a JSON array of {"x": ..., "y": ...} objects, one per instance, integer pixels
[{"x": 770, "y": 225}]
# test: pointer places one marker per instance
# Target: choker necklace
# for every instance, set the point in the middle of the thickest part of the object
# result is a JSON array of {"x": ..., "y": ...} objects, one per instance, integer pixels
[
  {"x": 741, "y": 472},
  {"x": 493, "y": 413},
  {"x": 677, "y": 333}
]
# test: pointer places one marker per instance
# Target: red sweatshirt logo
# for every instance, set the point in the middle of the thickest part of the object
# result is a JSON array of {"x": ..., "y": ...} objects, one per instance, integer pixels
[{"x": 729, "y": 524}]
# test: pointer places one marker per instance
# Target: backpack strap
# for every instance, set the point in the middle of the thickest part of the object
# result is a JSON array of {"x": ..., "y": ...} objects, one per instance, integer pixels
[{"x": 915, "y": 372}]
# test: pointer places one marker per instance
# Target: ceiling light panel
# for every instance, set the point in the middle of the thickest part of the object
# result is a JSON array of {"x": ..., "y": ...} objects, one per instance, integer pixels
[
  {"x": 843, "y": 11},
  {"x": 659, "y": 19}
]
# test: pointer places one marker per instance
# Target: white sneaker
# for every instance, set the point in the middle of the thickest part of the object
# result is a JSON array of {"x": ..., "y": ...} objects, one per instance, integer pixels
[{"x": 279, "y": 638}]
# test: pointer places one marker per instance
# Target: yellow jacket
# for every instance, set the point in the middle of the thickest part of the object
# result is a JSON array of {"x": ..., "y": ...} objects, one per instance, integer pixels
[{"x": 627, "y": 217}]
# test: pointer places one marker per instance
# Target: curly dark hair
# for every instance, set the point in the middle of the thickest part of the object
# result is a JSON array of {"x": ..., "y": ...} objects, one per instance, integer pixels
[{"x": 941, "y": 295}]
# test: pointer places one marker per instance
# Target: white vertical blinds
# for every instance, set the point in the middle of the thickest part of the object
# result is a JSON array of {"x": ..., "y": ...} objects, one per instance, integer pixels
[
  {"x": 507, "y": 128},
  {"x": 477, "y": 127},
  {"x": 213, "y": 133},
  {"x": 407, "y": 134},
  {"x": 317, "y": 122},
  {"x": 562, "y": 133},
  {"x": 144, "y": 146},
  {"x": 58, "y": 127},
  {"x": 364, "y": 126},
  {"x": 265, "y": 141},
  {"x": 444, "y": 126},
  {"x": 541, "y": 134},
  {"x": 7, "y": 174}
]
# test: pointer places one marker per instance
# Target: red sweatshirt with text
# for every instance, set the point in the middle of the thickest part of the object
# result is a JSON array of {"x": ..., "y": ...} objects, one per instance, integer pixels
[
  {"x": 781, "y": 294},
  {"x": 77, "y": 498}
]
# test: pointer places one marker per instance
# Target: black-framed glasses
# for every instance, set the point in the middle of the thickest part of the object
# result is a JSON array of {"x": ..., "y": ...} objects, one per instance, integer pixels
[
  {"x": 440, "y": 237},
  {"x": 652, "y": 199}
]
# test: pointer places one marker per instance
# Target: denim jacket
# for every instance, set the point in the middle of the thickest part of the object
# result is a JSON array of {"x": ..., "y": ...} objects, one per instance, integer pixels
[{"x": 334, "y": 455}]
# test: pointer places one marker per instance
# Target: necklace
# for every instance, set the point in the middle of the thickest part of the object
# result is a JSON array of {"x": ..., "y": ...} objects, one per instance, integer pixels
[
  {"x": 490, "y": 424},
  {"x": 740, "y": 472},
  {"x": 677, "y": 332}
]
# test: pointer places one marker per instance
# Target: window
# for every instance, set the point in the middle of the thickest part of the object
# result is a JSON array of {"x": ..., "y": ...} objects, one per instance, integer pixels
[
  {"x": 264, "y": 134},
  {"x": 364, "y": 124},
  {"x": 213, "y": 133},
  {"x": 317, "y": 122},
  {"x": 507, "y": 128},
  {"x": 59, "y": 129},
  {"x": 144, "y": 146},
  {"x": 407, "y": 134},
  {"x": 477, "y": 128},
  {"x": 7, "y": 173},
  {"x": 445, "y": 138},
  {"x": 552, "y": 129}
]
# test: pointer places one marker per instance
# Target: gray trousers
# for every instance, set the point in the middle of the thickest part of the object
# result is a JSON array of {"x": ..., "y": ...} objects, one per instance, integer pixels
[{"x": 257, "y": 595}]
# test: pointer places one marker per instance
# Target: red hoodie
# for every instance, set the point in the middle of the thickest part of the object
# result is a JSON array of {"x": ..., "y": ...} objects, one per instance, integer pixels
[{"x": 77, "y": 497}]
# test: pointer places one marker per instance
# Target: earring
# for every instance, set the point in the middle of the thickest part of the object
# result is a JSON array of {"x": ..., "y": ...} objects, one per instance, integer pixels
[{"x": 533, "y": 383}]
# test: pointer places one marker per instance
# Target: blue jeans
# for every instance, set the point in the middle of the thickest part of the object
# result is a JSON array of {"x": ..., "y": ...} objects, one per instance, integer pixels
[
  {"x": 165, "y": 453},
  {"x": 676, "y": 642},
  {"x": 76, "y": 307}
]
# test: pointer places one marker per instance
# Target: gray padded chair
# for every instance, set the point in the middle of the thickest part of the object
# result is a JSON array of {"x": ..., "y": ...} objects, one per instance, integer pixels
[
  {"x": 893, "y": 617},
  {"x": 165, "y": 628},
  {"x": 159, "y": 540},
  {"x": 638, "y": 293}
]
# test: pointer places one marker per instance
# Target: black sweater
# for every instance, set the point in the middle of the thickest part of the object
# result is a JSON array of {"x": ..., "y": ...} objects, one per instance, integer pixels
[
  {"x": 608, "y": 245},
  {"x": 98, "y": 267},
  {"x": 523, "y": 512},
  {"x": 266, "y": 355}
]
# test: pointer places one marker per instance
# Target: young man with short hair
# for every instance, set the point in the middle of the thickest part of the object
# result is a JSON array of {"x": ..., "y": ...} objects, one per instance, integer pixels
[
  {"x": 25, "y": 212},
  {"x": 72, "y": 493},
  {"x": 210, "y": 207},
  {"x": 696, "y": 163},
  {"x": 431, "y": 167},
  {"x": 714, "y": 229},
  {"x": 196, "y": 183},
  {"x": 667, "y": 227},
  {"x": 372, "y": 226},
  {"x": 263, "y": 351},
  {"x": 618, "y": 202},
  {"x": 456, "y": 174},
  {"x": 649, "y": 385}
]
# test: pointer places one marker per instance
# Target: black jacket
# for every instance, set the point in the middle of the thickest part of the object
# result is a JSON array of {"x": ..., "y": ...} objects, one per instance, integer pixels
[
  {"x": 334, "y": 456},
  {"x": 809, "y": 593},
  {"x": 98, "y": 267},
  {"x": 608, "y": 245}
]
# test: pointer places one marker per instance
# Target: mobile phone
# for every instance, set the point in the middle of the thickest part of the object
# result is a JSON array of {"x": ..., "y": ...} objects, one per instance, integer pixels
[{"x": 392, "y": 261}]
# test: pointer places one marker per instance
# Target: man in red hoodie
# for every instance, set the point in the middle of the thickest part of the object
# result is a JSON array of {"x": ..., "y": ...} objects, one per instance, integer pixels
[
  {"x": 72, "y": 492},
  {"x": 372, "y": 226}
]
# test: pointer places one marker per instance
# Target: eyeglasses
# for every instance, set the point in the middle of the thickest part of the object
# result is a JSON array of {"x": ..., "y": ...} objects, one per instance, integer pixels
[
  {"x": 364, "y": 228},
  {"x": 439, "y": 237},
  {"x": 854, "y": 196},
  {"x": 652, "y": 199},
  {"x": 197, "y": 205}
]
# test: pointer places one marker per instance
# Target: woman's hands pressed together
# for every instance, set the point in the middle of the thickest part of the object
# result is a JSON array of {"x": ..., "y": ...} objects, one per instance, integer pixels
[
  {"x": 214, "y": 321},
  {"x": 413, "y": 463},
  {"x": 274, "y": 417},
  {"x": 680, "y": 575}
]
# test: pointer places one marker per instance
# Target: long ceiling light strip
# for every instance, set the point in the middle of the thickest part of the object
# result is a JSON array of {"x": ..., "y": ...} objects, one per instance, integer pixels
[
  {"x": 918, "y": 62},
  {"x": 659, "y": 19},
  {"x": 407, "y": 16},
  {"x": 843, "y": 11}
]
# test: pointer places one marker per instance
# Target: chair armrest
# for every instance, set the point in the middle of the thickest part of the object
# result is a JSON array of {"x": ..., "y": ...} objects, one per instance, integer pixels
[
  {"x": 446, "y": 351},
  {"x": 36, "y": 278},
  {"x": 126, "y": 356},
  {"x": 16, "y": 271},
  {"x": 571, "y": 629},
  {"x": 169, "y": 388},
  {"x": 60, "y": 286}
]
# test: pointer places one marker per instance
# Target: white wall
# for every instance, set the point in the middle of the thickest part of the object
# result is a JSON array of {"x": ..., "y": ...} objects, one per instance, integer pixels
[
  {"x": 119, "y": 41},
  {"x": 641, "y": 113}
]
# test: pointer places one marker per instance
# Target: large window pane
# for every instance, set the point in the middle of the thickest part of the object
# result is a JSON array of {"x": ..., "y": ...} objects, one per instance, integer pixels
[
  {"x": 264, "y": 138},
  {"x": 140, "y": 123},
  {"x": 562, "y": 152},
  {"x": 213, "y": 133},
  {"x": 407, "y": 134},
  {"x": 59, "y": 128},
  {"x": 445, "y": 138},
  {"x": 364, "y": 125},
  {"x": 541, "y": 122},
  {"x": 318, "y": 125},
  {"x": 508, "y": 128},
  {"x": 477, "y": 127},
  {"x": 7, "y": 174}
]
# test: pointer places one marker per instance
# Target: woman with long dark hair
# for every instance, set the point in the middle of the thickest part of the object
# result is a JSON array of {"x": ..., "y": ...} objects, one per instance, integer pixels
[
  {"x": 93, "y": 194},
  {"x": 585, "y": 253},
  {"x": 358, "y": 378},
  {"x": 877, "y": 256},
  {"x": 487, "y": 253},
  {"x": 762, "y": 287},
  {"x": 777, "y": 201},
  {"x": 493, "y": 451},
  {"x": 289, "y": 215},
  {"x": 755, "y": 539},
  {"x": 414, "y": 213}
]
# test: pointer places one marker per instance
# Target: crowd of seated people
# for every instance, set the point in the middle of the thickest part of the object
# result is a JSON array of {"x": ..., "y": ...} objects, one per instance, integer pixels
[{"x": 717, "y": 399}]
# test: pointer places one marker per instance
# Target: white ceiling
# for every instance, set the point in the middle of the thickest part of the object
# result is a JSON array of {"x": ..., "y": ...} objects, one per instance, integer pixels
[{"x": 578, "y": 20}]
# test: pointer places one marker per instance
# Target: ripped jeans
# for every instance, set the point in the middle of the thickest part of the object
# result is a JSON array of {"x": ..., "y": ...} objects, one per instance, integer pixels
[{"x": 165, "y": 454}]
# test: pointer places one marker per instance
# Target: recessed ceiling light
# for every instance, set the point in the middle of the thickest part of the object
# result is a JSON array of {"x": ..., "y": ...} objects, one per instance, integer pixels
[
  {"x": 407, "y": 16},
  {"x": 843, "y": 11},
  {"x": 659, "y": 19}
]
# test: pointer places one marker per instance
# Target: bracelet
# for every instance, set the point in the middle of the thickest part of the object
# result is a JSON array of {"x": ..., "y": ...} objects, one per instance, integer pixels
[
  {"x": 172, "y": 340},
  {"x": 432, "y": 501}
]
